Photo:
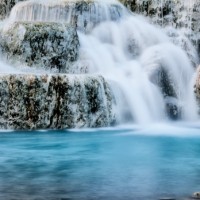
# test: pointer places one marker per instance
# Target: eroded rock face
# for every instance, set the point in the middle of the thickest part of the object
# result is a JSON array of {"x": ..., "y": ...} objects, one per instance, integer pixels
[
  {"x": 47, "y": 45},
  {"x": 54, "y": 102}
]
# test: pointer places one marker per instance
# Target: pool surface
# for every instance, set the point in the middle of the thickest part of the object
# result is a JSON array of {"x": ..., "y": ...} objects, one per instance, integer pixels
[{"x": 122, "y": 164}]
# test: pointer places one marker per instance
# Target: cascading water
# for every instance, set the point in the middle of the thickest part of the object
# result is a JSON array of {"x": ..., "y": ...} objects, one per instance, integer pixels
[
  {"x": 151, "y": 78},
  {"x": 85, "y": 15},
  {"x": 130, "y": 53}
]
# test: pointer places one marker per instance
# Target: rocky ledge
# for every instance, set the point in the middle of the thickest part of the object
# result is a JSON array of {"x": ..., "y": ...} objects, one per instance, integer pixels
[
  {"x": 41, "y": 44},
  {"x": 54, "y": 102}
]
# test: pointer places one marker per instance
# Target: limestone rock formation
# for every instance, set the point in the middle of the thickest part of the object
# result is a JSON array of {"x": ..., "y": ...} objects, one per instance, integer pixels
[
  {"x": 54, "y": 101},
  {"x": 48, "y": 45}
]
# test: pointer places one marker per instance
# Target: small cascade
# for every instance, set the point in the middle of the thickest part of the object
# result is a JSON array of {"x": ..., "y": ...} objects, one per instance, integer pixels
[{"x": 82, "y": 14}]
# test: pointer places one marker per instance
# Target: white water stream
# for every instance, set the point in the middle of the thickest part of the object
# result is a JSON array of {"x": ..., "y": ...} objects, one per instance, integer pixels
[{"x": 107, "y": 50}]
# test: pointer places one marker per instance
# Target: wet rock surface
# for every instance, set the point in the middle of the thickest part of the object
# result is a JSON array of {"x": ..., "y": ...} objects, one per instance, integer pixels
[
  {"x": 197, "y": 86},
  {"x": 163, "y": 79},
  {"x": 47, "y": 45},
  {"x": 180, "y": 14},
  {"x": 54, "y": 102},
  {"x": 196, "y": 195}
]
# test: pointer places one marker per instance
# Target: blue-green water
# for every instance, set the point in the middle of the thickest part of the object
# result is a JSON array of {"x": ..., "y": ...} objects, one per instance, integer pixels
[{"x": 108, "y": 164}]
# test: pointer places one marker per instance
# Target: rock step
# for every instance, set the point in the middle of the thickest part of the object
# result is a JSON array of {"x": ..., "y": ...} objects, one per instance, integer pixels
[
  {"x": 47, "y": 45},
  {"x": 55, "y": 101}
]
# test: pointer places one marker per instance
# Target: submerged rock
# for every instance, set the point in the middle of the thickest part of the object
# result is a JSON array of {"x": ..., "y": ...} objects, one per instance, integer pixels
[
  {"x": 54, "y": 101},
  {"x": 173, "y": 109},
  {"x": 48, "y": 45},
  {"x": 196, "y": 195}
]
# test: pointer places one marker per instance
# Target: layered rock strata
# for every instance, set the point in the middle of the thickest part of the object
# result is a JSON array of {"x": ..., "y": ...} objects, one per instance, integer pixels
[{"x": 54, "y": 101}]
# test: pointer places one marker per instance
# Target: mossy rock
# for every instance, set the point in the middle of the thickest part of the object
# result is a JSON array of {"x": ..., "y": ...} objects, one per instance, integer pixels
[
  {"x": 54, "y": 102},
  {"x": 41, "y": 44}
]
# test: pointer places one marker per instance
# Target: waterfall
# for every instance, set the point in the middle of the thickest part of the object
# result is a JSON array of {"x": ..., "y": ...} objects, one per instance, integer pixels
[
  {"x": 132, "y": 54},
  {"x": 151, "y": 76},
  {"x": 83, "y": 14}
]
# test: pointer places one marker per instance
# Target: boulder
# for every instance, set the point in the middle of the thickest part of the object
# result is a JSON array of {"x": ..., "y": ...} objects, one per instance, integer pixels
[
  {"x": 41, "y": 44},
  {"x": 54, "y": 101},
  {"x": 196, "y": 195},
  {"x": 162, "y": 78}
]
